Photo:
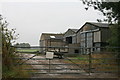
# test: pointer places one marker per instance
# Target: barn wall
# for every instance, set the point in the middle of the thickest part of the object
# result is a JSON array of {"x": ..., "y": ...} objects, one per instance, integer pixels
[
  {"x": 42, "y": 43},
  {"x": 74, "y": 39},
  {"x": 105, "y": 33},
  {"x": 83, "y": 40},
  {"x": 86, "y": 41},
  {"x": 97, "y": 36},
  {"x": 54, "y": 43},
  {"x": 69, "y": 32},
  {"x": 74, "y": 47},
  {"x": 89, "y": 39},
  {"x": 88, "y": 27},
  {"x": 57, "y": 44},
  {"x": 78, "y": 37}
]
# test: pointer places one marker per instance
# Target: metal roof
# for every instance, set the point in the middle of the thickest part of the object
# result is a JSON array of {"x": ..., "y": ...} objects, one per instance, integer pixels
[
  {"x": 52, "y": 36},
  {"x": 74, "y": 30},
  {"x": 98, "y": 24}
]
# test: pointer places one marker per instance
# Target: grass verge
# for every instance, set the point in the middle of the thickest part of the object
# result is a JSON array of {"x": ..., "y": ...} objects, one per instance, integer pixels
[
  {"x": 101, "y": 62},
  {"x": 16, "y": 71}
]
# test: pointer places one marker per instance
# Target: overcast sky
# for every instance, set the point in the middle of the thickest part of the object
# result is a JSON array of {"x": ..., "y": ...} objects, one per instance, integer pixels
[{"x": 31, "y": 18}]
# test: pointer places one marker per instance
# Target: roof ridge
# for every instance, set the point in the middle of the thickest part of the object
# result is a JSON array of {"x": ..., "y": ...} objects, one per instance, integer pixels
[{"x": 53, "y": 33}]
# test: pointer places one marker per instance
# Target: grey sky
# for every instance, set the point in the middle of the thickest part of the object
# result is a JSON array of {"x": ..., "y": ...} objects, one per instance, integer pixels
[{"x": 33, "y": 18}]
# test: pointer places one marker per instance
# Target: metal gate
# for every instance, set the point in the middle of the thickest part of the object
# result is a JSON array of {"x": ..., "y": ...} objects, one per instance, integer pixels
[{"x": 65, "y": 63}]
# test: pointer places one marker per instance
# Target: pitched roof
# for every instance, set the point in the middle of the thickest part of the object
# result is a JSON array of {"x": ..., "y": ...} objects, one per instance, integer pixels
[
  {"x": 52, "y": 36},
  {"x": 100, "y": 25},
  {"x": 74, "y": 30}
]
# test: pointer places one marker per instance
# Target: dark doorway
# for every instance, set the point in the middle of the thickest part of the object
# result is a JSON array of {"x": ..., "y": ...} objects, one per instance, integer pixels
[
  {"x": 76, "y": 51},
  {"x": 69, "y": 40}
]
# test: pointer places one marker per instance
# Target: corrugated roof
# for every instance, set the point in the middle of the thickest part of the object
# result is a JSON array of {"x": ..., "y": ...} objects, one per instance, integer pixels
[
  {"x": 48, "y": 35},
  {"x": 75, "y": 30},
  {"x": 99, "y": 24}
]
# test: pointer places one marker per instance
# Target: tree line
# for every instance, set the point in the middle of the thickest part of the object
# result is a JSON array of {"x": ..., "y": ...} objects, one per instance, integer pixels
[{"x": 25, "y": 45}]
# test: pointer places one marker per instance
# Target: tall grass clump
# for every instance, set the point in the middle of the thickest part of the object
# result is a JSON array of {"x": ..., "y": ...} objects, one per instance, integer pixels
[{"x": 9, "y": 69}]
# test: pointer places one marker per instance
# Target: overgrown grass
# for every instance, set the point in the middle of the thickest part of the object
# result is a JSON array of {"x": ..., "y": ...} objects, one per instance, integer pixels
[
  {"x": 98, "y": 62},
  {"x": 15, "y": 71},
  {"x": 108, "y": 63}
]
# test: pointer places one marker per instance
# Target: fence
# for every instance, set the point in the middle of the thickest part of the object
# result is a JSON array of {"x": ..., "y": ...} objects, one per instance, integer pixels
[{"x": 104, "y": 61}]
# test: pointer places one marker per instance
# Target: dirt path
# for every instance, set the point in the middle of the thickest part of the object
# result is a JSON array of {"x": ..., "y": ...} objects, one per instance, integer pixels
[{"x": 65, "y": 69}]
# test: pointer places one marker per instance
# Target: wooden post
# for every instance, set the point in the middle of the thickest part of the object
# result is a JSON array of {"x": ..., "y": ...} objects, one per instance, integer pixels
[
  {"x": 90, "y": 61},
  {"x": 49, "y": 65},
  {"x": 118, "y": 59}
]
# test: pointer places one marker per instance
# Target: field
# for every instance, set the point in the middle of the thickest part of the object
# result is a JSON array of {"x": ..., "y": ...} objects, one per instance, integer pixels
[{"x": 28, "y": 50}]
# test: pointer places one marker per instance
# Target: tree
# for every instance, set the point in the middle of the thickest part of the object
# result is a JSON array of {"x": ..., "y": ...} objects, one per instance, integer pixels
[
  {"x": 109, "y": 9},
  {"x": 8, "y": 37},
  {"x": 112, "y": 12}
]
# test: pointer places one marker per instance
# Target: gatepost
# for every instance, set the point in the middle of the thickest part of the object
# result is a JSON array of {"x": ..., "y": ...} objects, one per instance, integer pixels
[
  {"x": 49, "y": 56},
  {"x": 0, "y": 52}
]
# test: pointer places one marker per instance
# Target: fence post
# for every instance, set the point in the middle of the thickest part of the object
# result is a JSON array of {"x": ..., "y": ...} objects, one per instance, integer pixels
[
  {"x": 89, "y": 61},
  {"x": 118, "y": 61},
  {"x": 49, "y": 65}
]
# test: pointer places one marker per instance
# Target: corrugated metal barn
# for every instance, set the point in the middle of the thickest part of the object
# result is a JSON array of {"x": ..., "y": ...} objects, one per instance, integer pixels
[
  {"x": 71, "y": 40},
  {"x": 93, "y": 35},
  {"x": 50, "y": 39}
]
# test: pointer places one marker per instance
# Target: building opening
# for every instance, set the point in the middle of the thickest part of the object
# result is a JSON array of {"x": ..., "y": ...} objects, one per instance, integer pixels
[
  {"x": 69, "y": 40},
  {"x": 76, "y": 51}
]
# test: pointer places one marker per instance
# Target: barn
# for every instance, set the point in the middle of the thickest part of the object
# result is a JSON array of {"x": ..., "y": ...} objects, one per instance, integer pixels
[
  {"x": 93, "y": 34},
  {"x": 71, "y": 41},
  {"x": 51, "y": 40}
]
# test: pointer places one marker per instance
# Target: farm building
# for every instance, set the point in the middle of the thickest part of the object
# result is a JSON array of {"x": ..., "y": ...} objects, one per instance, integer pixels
[
  {"x": 93, "y": 35},
  {"x": 70, "y": 36},
  {"x": 70, "y": 39},
  {"x": 50, "y": 39},
  {"x": 90, "y": 35}
]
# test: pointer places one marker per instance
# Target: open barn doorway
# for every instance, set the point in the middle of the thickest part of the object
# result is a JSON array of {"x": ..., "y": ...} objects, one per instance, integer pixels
[{"x": 69, "y": 40}]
